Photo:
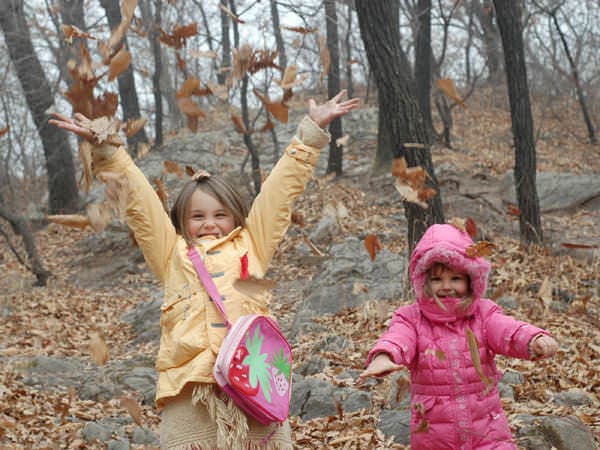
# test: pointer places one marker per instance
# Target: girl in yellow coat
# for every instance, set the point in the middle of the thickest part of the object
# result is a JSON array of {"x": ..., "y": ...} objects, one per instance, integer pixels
[{"x": 234, "y": 243}]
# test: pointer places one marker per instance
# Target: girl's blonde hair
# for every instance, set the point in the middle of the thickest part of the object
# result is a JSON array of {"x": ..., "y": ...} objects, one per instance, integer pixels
[
  {"x": 436, "y": 269},
  {"x": 221, "y": 189}
]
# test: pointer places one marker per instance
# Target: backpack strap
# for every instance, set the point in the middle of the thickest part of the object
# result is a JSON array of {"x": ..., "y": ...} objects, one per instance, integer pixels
[{"x": 208, "y": 283}]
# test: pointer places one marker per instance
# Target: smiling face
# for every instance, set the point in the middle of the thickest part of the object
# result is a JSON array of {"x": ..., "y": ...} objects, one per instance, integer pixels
[
  {"x": 445, "y": 282},
  {"x": 207, "y": 216}
]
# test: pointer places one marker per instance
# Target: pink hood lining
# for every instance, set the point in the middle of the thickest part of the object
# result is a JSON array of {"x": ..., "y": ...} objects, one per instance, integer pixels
[{"x": 446, "y": 244}]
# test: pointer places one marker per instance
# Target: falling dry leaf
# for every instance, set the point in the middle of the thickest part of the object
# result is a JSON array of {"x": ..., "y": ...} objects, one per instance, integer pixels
[
  {"x": 70, "y": 220},
  {"x": 162, "y": 193},
  {"x": 402, "y": 387},
  {"x": 133, "y": 408},
  {"x": 71, "y": 31},
  {"x": 178, "y": 38},
  {"x": 143, "y": 148},
  {"x": 239, "y": 124},
  {"x": 4, "y": 130},
  {"x": 446, "y": 85},
  {"x": 458, "y": 222},
  {"x": 297, "y": 219},
  {"x": 133, "y": 126},
  {"x": 471, "y": 227},
  {"x": 106, "y": 129},
  {"x": 119, "y": 64},
  {"x": 98, "y": 349},
  {"x": 513, "y": 210},
  {"x": 343, "y": 141},
  {"x": 219, "y": 148},
  {"x": 277, "y": 109},
  {"x": 189, "y": 87},
  {"x": 372, "y": 245},
  {"x": 289, "y": 79},
  {"x": 173, "y": 167},
  {"x": 189, "y": 171},
  {"x": 301, "y": 30},
  {"x": 426, "y": 193},
  {"x": 474, "y": 350},
  {"x": 85, "y": 156},
  {"x": 100, "y": 215},
  {"x": 399, "y": 167},
  {"x": 480, "y": 249},
  {"x": 545, "y": 292},
  {"x": 439, "y": 354},
  {"x": 409, "y": 194},
  {"x": 203, "y": 54}
]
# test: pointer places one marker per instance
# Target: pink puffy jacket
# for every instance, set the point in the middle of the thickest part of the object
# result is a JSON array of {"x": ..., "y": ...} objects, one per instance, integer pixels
[{"x": 451, "y": 407}]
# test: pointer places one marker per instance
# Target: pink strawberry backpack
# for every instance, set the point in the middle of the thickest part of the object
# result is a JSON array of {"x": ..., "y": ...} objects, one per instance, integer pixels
[{"x": 254, "y": 365}]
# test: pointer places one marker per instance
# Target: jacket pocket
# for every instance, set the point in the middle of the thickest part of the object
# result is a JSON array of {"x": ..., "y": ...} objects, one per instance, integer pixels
[{"x": 172, "y": 311}]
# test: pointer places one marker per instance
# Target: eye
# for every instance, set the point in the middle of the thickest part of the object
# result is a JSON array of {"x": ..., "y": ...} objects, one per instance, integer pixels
[{"x": 435, "y": 279}]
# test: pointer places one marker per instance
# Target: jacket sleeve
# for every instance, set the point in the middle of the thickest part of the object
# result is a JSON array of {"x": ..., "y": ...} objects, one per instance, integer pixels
[
  {"x": 146, "y": 216},
  {"x": 399, "y": 340},
  {"x": 506, "y": 335},
  {"x": 270, "y": 215}
]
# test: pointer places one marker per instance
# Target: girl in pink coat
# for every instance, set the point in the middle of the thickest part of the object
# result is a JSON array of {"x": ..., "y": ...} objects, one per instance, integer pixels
[{"x": 455, "y": 402}]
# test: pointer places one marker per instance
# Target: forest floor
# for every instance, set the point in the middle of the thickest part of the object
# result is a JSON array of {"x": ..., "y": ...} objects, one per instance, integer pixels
[{"x": 57, "y": 320}]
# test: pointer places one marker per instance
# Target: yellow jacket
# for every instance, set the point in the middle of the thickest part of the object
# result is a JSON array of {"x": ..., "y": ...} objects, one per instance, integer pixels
[{"x": 191, "y": 327}]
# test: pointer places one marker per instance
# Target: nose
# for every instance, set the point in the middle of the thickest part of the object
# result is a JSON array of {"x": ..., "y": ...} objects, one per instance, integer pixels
[{"x": 209, "y": 224}]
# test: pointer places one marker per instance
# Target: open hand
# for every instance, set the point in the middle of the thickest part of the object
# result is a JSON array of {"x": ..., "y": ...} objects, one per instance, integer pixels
[
  {"x": 102, "y": 130},
  {"x": 380, "y": 365},
  {"x": 80, "y": 125},
  {"x": 325, "y": 113}
]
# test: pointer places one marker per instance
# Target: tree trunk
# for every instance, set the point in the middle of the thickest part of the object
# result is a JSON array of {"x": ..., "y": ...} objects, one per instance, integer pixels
[
  {"x": 349, "y": 80},
  {"x": 127, "y": 91},
  {"x": 278, "y": 36},
  {"x": 379, "y": 28},
  {"x": 71, "y": 13},
  {"x": 491, "y": 39},
  {"x": 508, "y": 13},
  {"x": 334, "y": 164},
  {"x": 62, "y": 186},
  {"x": 423, "y": 57},
  {"x": 575, "y": 73},
  {"x": 20, "y": 227},
  {"x": 225, "y": 45},
  {"x": 152, "y": 22}
]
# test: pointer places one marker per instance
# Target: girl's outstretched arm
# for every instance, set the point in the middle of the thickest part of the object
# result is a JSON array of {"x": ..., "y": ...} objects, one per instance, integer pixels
[{"x": 152, "y": 227}]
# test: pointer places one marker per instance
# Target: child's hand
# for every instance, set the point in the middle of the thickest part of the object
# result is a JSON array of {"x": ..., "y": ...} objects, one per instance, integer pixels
[
  {"x": 380, "y": 365},
  {"x": 324, "y": 114},
  {"x": 543, "y": 346},
  {"x": 84, "y": 128}
]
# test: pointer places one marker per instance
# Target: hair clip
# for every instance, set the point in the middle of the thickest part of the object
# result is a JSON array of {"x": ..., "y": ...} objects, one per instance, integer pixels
[{"x": 200, "y": 175}]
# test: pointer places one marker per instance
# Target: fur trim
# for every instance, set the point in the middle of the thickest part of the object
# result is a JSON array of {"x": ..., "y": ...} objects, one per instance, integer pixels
[{"x": 232, "y": 425}]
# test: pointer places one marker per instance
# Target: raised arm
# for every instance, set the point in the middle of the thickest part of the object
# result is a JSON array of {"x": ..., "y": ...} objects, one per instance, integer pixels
[
  {"x": 145, "y": 214},
  {"x": 270, "y": 214}
]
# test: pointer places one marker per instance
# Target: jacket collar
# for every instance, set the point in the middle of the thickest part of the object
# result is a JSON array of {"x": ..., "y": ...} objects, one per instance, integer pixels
[{"x": 209, "y": 244}]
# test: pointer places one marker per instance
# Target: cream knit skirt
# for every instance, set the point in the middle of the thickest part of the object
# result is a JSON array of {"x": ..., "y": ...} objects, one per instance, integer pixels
[{"x": 202, "y": 417}]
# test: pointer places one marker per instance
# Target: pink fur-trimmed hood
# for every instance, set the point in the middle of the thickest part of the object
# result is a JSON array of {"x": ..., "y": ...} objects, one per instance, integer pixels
[{"x": 446, "y": 244}]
